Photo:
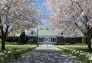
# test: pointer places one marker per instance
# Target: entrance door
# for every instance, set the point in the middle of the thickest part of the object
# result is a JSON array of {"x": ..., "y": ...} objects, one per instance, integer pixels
[{"x": 46, "y": 41}]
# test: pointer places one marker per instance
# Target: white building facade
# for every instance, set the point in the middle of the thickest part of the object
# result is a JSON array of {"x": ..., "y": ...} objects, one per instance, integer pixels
[{"x": 46, "y": 33}]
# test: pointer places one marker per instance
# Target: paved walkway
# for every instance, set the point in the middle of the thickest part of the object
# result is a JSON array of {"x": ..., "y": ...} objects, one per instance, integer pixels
[{"x": 46, "y": 54}]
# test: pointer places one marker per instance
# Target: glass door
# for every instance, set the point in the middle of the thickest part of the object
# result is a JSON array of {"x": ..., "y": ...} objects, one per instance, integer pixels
[{"x": 46, "y": 40}]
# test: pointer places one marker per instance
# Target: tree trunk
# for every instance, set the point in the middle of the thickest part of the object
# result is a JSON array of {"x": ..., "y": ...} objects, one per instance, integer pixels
[
  {"x": 84, "y": 39},
  {"x": 89, "y": 44},
  {"x": 87, "y": 40},
  {"x": 3, "y": 45}
]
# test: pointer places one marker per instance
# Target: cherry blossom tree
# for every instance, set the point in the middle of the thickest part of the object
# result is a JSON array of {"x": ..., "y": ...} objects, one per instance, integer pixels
[
  {"x": 76, "y": 13},
  {"x": 14, "y": 15}
]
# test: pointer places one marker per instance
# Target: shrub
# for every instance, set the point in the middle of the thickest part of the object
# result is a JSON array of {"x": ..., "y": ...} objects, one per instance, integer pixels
[
  {"x": 12, "y": 39},
  {"x": 23, "y": 38}
]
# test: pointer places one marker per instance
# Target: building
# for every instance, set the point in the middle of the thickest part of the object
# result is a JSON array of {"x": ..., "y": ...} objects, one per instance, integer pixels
[{"x": 47, "y": 34}]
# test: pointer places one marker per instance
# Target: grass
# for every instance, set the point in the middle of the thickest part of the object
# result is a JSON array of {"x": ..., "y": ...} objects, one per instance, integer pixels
[
  {"x": 80, "y": 44},
  {"x": 81, "y": 48},
  {"x": 81, "y": 53},
  {"x": 18, "y": 47},
  {"x": 16, "y": 43},
  {"x": 73, "y": 43},
  {"x": 85, "y": 49},
  {"x": 13, "y": 52},
  {"x": 10, "y": 43}
]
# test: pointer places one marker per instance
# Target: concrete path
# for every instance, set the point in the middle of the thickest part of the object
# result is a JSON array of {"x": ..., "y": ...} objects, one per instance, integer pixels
[{"x": 46, "y": 54}]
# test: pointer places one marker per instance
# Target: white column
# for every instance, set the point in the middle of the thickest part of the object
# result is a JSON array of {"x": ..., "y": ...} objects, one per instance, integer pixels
[{"x": 50, "y": 39}]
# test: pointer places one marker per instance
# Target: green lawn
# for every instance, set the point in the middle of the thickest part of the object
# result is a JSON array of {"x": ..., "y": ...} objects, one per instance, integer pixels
[
  {"x": 16, "y": 43},
  {"x": 13, "y": 52},
  {"x": 80, "y": 52},
  {"x": 10, "y": 43},
  {"x": 79, "y": 48},
  {"x": 18, "y": 47}
]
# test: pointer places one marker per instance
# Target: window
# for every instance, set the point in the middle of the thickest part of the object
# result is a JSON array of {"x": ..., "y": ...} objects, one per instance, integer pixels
[
  {"x": 53, "y": 39},
  {"x": 40, "y": 39},
  {"x": 62, "y": 33},
  {"x": 32, "y": 33},
  {"x": 52, "y": 28},
  {"x": 47, "y": 28},
  {"x": 41, "y": 28}
]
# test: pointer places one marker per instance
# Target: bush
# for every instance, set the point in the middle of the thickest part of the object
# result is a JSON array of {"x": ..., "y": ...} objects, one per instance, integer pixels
[
  {"x": 30, "y": 41},
  {"x": 12, "y": 39},
  {"x": 71, "y": 40},
  {"x": 22, "y": 38}
]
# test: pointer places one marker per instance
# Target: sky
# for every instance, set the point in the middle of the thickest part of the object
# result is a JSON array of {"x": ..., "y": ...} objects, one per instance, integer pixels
[{"x": 38, "y": 4}]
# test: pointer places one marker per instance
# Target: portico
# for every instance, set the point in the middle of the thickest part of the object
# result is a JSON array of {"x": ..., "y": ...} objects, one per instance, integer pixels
[
  {"x": 47, "y": 40},
  {"x": 45, "y": 33}
]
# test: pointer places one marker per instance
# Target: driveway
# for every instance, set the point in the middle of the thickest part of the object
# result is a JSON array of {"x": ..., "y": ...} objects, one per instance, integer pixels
[{"x": 46, "y": 54}]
